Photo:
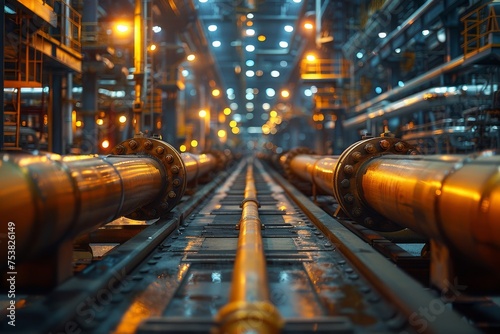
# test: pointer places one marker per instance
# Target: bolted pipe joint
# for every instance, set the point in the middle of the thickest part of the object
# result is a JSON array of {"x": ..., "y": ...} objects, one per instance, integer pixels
[
  {"x": 174, "y": 174},
  {"x": 347, "y": 178}
]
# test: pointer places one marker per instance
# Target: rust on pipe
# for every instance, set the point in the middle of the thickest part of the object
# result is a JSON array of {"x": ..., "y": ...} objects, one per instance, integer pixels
[{"x": 249, "y": 309}]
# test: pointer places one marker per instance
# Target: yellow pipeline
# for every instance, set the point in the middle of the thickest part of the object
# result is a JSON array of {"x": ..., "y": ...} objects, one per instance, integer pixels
[{"x": 249, "y": 308}]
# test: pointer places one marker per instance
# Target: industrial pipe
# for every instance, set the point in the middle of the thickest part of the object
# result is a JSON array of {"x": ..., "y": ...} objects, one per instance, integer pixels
[
  {"x": 51, "y": 198},
  {"x": 382, "y": 183},
  {"x": 249, "y": 309}
]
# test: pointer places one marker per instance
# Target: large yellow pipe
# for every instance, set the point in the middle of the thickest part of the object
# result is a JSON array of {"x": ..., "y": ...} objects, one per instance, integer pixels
[
  {"x": 381, "y": 184},
  {"x": 51, "y": 198},
  {"x": 249, "y": 309},
  {"x": 452, "y": 199}
]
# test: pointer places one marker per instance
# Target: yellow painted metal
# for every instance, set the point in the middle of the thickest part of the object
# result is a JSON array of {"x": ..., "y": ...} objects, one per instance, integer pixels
[{"x": 249, "y": 309}]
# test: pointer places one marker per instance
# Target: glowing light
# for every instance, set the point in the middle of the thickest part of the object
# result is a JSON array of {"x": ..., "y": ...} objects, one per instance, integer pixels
[
  {"x": 250, "y": 32},
  {"x": 288, "y": 28},
  {"x": 285, "y": 93},
  {"x": 152, "y": 47},
  {"x": 202, "y": 113},
  {"x": 250, "y": 48},
  {"x": 216, "y": 44},
  {"x": 308, "y": 26},
  {"x": 273, "y": 113},
  {"x": 194, "y": 143},
  {"x": 215, "y": 92},
  {"x": 261, "y": 38},
  {"x": 270, "y": 92},
  {"x": 212, "y": 28},
  {"x": 156, "y": 29},
  {"x": 99, "y": 121},
  {"x": 79, "y": 124},
  {"x": 283, "y": 44},
  {"x": 250, "y": 16},
  {"x": 182, "y": 148},
  {"x": 105, "y": 143},
  {"x": 227, "y": 111},
  {"x": 235, "y": 130},
  {"x": 191, "y": 57},
  {"x": 233, "y": 124},
  {"x": 310, "y": 57},
  {"x": 221, "y": 133},
  {"x": 250, "y": 63},
  {"x": 275, "y": 74},
  {"x": 122, "y": 28},
  {"x": 382, "y": 34}
]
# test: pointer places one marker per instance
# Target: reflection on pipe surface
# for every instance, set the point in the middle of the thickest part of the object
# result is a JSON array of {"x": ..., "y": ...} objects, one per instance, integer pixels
[
  {"x": 382, "y": 184},
  {"x": 52, "y": 198}
]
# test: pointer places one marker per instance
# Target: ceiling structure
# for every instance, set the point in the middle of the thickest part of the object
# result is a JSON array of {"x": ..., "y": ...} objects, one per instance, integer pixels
[{"x": 255, "y": 46}]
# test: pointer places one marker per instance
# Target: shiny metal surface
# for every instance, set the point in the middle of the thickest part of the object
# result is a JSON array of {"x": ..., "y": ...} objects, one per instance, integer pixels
[
  {"x": 317, "y": 170},
  {"x": 381, "y": 184},
  {"x": 452, "y": 199},
  {"x": 198, "y": 164},
  {"x": 50, "y": 197},
  {"x": 249, "y": 308}
]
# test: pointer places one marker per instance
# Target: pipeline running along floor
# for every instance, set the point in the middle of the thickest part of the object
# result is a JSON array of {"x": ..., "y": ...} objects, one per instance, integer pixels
[{"x": 182, "y": 283}]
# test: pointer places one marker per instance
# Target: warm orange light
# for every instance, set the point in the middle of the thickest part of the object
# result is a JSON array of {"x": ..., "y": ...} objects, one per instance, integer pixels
[
  {"x": 202, "y": 113},
  {"x": 235, "y": 130},
  {"x": 105, "y": 143},
  {"x": 273, "y": 113},
  {"x": 261, "y": 38},
  {"x": 122, "y": 119},
  {"x": 221, "y": 133},
  {"x": 215, "y": 92},
  {"x": 249, "y": 23},
  {"x": 194, "y": 143},
  {"x": 122, "y": 28},
  {"x": 99, "y": 121},
  {"x": 79, "y": 124},
  {"x": 308, "y": 25},
  {"x": 310, "y": 57},
  {"x": 191, "y": 57},
  {"x": 285, "y": 93},
  {"x": 152, "y": 47},
  {"x": 227, "y": 111}
]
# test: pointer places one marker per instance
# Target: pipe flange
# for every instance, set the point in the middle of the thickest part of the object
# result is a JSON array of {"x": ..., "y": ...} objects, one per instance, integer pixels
[
  {"x": 174, "y": 171},
  {"x": 289, "y": 157},
  {"x": 347, "y": 179}
]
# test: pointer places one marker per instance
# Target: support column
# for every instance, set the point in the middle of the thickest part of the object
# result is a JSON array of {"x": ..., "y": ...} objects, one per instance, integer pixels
[
  {"x": 2, "y": 26},
  {"x": 89, "y": 83},
  {"x": 55, "y": 113},
  {"x": 169, "y": 116}
]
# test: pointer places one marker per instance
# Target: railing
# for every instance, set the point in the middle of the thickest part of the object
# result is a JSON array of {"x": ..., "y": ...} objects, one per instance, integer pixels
[
  {"x": 69, "y": 27},
  {"x": 481, "y": 29}
]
